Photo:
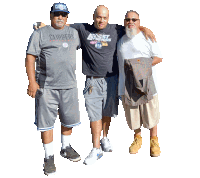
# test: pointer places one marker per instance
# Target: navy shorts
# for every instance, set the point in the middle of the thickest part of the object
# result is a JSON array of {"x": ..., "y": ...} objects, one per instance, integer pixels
[
  {"x": 103, "y": 101},
  {"x": 47, "y": 102}
]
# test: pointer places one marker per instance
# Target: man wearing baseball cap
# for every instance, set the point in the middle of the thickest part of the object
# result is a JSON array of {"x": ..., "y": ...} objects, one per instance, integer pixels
[
  {"x": 100, "y": 66},
  {"x": 54, "y": 84}
]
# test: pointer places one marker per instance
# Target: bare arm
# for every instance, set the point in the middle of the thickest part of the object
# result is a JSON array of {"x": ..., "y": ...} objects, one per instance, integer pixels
[
  {"x": 43, "y": 25},
  {"x": 156, "y": 60},
  {"x": 30, "y": 70},
  {"x": 148, "y": 33},
  {"x": 30, "y": 67}
]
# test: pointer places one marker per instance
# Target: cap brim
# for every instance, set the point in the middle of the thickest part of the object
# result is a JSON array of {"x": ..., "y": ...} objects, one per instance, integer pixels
[{"x": 60, "y": 11}]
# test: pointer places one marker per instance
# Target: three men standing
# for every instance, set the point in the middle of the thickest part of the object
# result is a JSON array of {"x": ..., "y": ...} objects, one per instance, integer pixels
[{"x": 99, "y": 64}]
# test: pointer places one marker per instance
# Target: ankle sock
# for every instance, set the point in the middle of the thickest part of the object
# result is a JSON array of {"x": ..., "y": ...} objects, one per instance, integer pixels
[
  {"x": 48, "y": 149},
  {"x": 65, "y": 139}
]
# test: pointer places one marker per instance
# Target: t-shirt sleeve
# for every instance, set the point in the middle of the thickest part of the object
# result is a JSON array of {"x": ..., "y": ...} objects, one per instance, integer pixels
[
  {"x": 77, "y": 40},
  {"x": 120, "y": 30},
  {"x": 119, "y": 27},
  {"x": 155, "y": 51},
  {"x": 34, "y": 44},
  {"x": 77, "y": 26}
]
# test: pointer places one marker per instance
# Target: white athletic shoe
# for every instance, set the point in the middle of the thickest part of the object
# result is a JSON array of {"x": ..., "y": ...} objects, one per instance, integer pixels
[
  {"x": 94, "y": 155},
  {"x": 106, "y": 145}
]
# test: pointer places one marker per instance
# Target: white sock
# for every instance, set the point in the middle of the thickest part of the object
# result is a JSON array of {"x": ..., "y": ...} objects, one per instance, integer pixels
[
  {"x": 48, "y": 149},
  {"x": 65, "y": 139}
]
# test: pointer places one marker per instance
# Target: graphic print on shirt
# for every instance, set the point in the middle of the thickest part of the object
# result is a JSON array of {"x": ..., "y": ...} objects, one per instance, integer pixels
[
  {"x": 62, "y": 37},
  {"x": 98, "y": 39}
]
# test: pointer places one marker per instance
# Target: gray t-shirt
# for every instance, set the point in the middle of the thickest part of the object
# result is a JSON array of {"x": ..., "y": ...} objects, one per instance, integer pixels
[{"x": 56, "y": 52}]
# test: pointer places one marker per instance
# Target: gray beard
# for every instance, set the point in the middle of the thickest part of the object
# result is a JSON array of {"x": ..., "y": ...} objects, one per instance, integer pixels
[
  {"x": 131, "y": 32},
  {"x": 58, "y": 25}
]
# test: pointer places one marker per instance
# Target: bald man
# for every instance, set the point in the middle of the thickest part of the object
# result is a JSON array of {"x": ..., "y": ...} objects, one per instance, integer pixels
[{"x": 100, "y": 65}]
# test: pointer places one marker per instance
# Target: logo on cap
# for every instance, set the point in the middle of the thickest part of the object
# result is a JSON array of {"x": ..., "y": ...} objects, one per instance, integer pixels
[{"x": 60, "y": 6}]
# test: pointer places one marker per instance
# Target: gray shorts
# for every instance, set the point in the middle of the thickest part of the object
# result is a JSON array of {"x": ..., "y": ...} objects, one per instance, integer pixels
[
  {"x": 47, "y": 102},
  {"x": 103, "y": 101}
]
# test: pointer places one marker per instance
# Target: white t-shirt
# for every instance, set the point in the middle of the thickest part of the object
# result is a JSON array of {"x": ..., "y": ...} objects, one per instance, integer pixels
[{"x": 133, "y": 48}]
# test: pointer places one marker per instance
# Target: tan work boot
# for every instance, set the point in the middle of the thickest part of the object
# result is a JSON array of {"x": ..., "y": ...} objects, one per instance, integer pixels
[
  {"x": 154, "y": 147},
  {"x": 136, "y": 145}
]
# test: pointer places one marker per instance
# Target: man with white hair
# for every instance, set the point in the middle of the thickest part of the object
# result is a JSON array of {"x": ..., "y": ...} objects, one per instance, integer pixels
[{"x": 133, "y": 45}]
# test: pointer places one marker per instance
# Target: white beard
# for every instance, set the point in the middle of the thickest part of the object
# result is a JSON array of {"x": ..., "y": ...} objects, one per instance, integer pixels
[
  {"x": 59, "y": 25},
  {"x": 131, "y": 32}
]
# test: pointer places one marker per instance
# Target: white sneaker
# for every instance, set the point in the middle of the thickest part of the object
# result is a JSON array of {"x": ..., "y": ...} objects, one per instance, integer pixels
[
  {"x": 94, "y": 155},
  {"x": 106, "y": 145}
]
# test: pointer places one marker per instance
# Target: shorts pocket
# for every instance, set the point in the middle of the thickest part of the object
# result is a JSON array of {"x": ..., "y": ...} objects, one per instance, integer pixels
[
  {"x": 87, "y": 85},
  {"x": 39, "y": 93}
]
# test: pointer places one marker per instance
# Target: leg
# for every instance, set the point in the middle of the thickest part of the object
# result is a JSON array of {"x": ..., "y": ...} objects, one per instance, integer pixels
[
  {"x": 65, "y": 136},
  {"x": 137, "y": 132},
  {"x": 66, "y": 130},
  {"x": 47, "y": 140},
  {"x": 153, "y": 131},
  {"x": 96, "y": 128},
  {"x": 47, "y": 136},
  {"x": 154, "y": 145},
  {"x": 105, "y": 125}
]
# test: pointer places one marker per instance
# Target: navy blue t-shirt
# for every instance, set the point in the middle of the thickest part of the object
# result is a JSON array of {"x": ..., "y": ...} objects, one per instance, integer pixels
[{"x": 99, "y": 49}]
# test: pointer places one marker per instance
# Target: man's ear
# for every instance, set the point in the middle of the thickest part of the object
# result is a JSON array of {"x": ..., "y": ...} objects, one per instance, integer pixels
[{"x": 51, "y": 16}]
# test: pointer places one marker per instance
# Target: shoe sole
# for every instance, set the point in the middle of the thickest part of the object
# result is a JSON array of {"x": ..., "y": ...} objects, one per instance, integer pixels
[
  {"x": 107, "y": 150},
  {"x": 133, "y": 152},
  {"x": 49, "y": 174},
  {"x": 153, "y": 155},
  {"x": 74, "y": 160},
  {"x": 97, "y": 159}
]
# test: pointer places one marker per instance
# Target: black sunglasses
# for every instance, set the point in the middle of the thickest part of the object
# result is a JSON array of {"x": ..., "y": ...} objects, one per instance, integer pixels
[
  {"x": 134, "y": 20},
  {"x": 57, "y": 14}
]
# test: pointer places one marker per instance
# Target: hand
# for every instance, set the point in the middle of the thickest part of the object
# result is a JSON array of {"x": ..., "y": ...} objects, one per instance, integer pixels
[
  {"x": 148, "y": 34},
  {"x": 32, "y": 89},
  {"x": 41, "y": 25}
]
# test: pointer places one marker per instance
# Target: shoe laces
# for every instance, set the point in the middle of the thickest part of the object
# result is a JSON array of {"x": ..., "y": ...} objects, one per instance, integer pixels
[
  {"x": 135, "y": 141},
  {"x": 93, "y": 152},
  {"x": 107, "y": 142},
  {"x": 154, "y": 143}
]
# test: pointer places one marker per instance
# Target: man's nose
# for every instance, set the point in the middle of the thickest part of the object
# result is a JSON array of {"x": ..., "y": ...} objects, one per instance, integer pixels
[
  {"x": 131, "y": 21},
  {"x": 60, "y": 16},
  {"x": 102, "y": 19}
]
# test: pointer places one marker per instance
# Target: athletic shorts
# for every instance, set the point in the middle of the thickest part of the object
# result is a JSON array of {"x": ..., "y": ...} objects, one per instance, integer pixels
[
  {"x": 47, "y": 102},
  {"x": 147, "y": 114},
  {"x": 103, "y": 101}
]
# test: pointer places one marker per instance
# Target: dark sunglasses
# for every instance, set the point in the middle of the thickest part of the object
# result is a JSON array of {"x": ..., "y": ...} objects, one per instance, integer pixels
[
  {"x": 57, "y": 14},
  {"x": 134, "y": 20}
]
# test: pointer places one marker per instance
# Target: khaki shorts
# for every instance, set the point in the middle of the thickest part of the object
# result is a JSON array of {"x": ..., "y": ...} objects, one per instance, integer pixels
[{"x": 147, "y": 114}]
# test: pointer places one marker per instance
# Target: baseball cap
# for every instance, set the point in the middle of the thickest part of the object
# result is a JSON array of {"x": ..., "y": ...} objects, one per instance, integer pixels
[{"x": 59, "y": 7}]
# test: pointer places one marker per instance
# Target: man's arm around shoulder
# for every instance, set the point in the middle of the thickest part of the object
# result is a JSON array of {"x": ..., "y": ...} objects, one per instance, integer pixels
[{"x": 43, "y": 25}]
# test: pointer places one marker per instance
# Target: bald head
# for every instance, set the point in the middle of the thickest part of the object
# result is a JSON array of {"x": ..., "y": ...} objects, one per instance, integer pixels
[
  {"x": 101, "y": 17},
  {"x": 101, "y": 8}
]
